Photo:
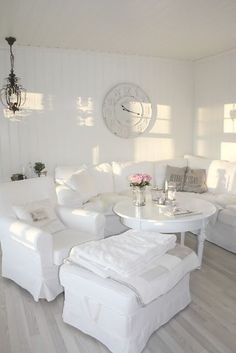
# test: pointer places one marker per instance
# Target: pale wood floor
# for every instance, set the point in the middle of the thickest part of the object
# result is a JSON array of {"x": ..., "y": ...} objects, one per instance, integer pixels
[{"x": 208, "y": 325}]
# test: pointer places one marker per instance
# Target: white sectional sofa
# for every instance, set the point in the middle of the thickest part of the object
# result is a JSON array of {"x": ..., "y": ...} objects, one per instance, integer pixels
[{"x": 107, "y": 183}]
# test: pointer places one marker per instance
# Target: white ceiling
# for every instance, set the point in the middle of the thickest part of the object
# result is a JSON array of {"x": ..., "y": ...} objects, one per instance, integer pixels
[{"x": 184, "y": 29}]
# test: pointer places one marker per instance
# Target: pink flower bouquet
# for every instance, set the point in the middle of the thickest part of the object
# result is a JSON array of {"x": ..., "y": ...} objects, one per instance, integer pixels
[{"x": 139, "y": 180}]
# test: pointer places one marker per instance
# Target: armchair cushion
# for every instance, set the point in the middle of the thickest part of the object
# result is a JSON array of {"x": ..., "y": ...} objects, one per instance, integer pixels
[{"x": 63, "y": 242}]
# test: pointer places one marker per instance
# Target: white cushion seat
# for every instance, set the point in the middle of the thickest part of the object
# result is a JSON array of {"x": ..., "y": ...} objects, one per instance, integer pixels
[
  {"x": 64, "y": 240},
  {"x": 104, "y": 203},
  {"x": 228, "y": 217},
  {"x": 220, "y": 200}
]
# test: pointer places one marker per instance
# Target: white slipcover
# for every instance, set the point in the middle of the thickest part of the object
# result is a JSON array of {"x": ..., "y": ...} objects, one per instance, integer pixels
[
  {"x": 221, "y": 177},
  {"x": 111, "y": 311},
  {"x": 62, "y": 173},
  {"x": 221, "y": 180},
  {"x": 30, "y": 255}
]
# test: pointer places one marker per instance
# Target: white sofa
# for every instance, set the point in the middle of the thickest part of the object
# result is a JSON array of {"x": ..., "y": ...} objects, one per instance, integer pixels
[
  {"x": 112, "y": 185},
  {"x": 31, "y": 255}
]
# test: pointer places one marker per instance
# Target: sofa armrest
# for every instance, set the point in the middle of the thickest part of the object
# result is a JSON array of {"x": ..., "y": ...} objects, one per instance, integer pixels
[
  {"x": 27, "y": 235},
  {"x": 88, "y": 221}
]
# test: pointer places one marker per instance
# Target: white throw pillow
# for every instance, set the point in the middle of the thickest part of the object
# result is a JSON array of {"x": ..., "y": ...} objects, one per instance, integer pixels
[
  {"x": 221, "y": 177},
  {"x": 40, "y": 214},
  {"x": 83, "y": 183},
  {"x": 103, "y": 177},
  {"x": 62, "y": 173},
  {"x": 196, "y": 162},
  {"x": 160, "y": 169},
  {"x": 122, "y": 170}
]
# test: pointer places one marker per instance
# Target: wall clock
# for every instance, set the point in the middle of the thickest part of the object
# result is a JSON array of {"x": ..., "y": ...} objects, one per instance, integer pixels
[{"x": 127, "y": 110}]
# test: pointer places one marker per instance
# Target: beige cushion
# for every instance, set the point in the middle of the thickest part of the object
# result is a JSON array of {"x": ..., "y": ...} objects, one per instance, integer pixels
[
  {"x": 160, "y": 169},
  {"x": 176, "y": 175},
  {"x": 195, "y": 181}
]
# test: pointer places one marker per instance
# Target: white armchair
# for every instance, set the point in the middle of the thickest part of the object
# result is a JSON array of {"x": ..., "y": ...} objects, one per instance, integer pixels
[{"x": 32, "y": 255}]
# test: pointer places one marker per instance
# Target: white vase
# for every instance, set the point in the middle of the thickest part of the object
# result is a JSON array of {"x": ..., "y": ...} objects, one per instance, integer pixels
[{"x": 139, "y": 196}]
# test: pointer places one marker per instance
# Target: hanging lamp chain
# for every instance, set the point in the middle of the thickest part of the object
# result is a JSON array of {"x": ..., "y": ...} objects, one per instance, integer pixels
[{"x": 11, "y": 58}]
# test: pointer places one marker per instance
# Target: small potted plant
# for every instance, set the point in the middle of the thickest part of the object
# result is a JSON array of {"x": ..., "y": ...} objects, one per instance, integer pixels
[{"x": 38, "y": 168}]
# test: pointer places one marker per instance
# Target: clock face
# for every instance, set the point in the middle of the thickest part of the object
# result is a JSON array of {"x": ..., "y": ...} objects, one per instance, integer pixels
[{"x": 127, "y": 110}]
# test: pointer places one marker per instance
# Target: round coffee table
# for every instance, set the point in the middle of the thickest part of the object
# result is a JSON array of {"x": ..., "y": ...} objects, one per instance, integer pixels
[{"x": 158, "y": 218}]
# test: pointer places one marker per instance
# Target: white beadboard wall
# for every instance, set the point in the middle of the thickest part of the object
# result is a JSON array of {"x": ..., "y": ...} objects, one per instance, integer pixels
[
  {"x": 215, "y": 107},
  {"x": 64, "y": 123}
]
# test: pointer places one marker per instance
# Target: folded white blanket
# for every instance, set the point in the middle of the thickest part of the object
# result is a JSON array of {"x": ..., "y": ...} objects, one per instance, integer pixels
[
  {"x": 162, "y": 274},
  {"x": 123, "y": 255}
]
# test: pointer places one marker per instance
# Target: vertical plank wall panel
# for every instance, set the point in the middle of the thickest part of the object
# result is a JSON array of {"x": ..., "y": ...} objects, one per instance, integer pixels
[{"x": 64, "y": 123}]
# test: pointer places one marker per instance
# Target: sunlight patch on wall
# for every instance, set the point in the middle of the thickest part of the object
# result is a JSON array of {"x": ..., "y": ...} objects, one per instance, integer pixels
[
  {"x": 8, "y": 114},
  {"x": 201, "y": 147},
  {"x": 163, "y": 122},
  {"x": 228, "y": 151},
  {"x": 153, "y": 148},
  {"x": 85, "y": 108},
  {"x": 230, "y": 118},
  {"x": 34, "y": 101},
  {"x": 204, "y": 121}
]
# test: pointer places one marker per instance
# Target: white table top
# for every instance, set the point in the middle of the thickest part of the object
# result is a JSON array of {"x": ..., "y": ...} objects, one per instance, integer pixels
[{"x": 156, "y": 214}]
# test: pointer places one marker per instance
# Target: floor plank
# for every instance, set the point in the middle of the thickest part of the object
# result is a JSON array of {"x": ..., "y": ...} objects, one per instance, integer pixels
[{"x": 208, "y": 325}]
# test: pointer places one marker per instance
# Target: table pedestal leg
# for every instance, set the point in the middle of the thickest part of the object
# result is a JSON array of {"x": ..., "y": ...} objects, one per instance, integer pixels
[
  {"x": 182, "y": 238},
  {"x": 200, "y": 245}
]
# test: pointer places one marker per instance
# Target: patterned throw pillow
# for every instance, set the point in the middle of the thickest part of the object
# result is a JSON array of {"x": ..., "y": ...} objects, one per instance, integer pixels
[
  {"x": 176, "y": 175},
  {"x": 195, "y": 181},
  {"x": 41, "y": 214}
]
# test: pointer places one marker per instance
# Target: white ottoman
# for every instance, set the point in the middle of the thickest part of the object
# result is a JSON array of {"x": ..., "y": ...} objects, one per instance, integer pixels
[{"x": 112, "y": 313}]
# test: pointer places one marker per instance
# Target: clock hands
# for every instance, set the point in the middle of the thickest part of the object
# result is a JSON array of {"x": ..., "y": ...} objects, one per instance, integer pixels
[{"x": 129, "y": 111}]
